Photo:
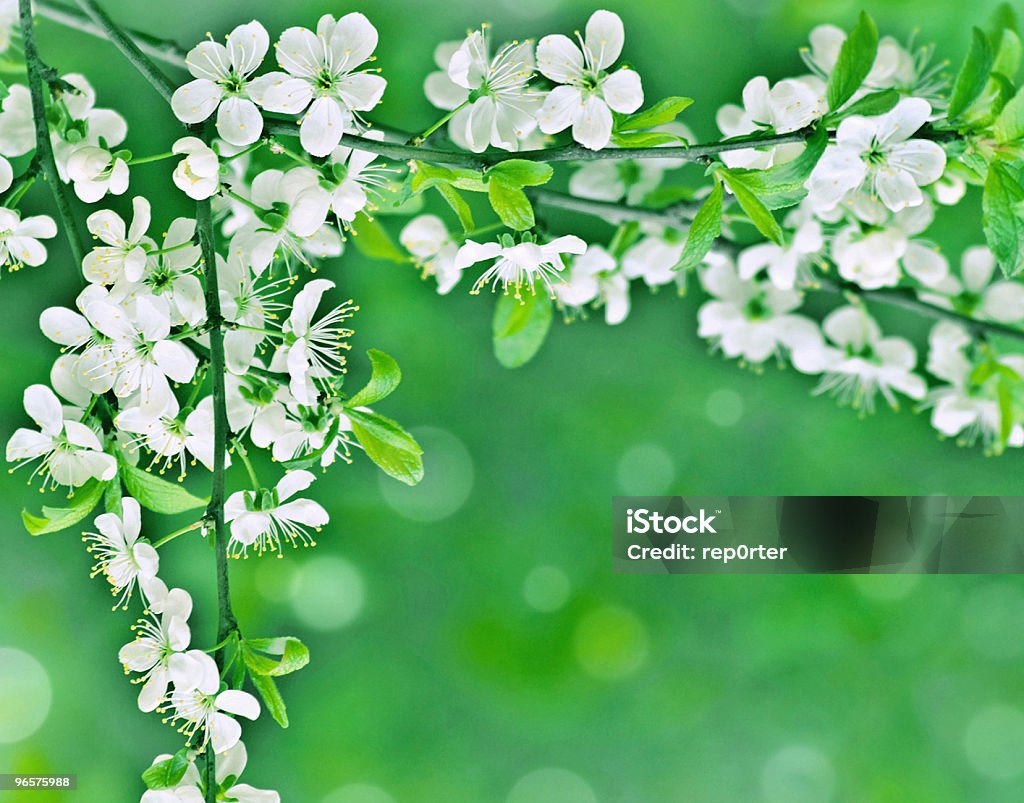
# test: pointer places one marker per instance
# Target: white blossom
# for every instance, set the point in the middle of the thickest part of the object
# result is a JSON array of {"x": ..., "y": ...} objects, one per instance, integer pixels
[
  {"x": 974, "y": 293},
  {"x": 205, "y": 709},
  {"x": 19, "y": 239},
  {"x": 198, "y": 174},
  {"x": 879, "y": 154},
  {"x": 859, "y": 363},
  {"x": 426, "y": 237},
  {"x": 588, "y": 93},
  {"x": 785, "y": 263},
  {"x": 124, "y": 253},
  {"x": 223, "y": 83},
  {"x": 96, "y": 171},
  {"x": 516, "y": 264},
  {"x": 321, "y": 80},
  {"x": 124, "y": 559},
  {"x": 264, "y": 519},
  {"x": 70, "y": 453},
  {"x": 594, "y": 277}
]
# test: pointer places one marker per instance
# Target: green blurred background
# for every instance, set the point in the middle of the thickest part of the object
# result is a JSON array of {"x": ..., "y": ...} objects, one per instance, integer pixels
[{"x": 469, "y": 642}]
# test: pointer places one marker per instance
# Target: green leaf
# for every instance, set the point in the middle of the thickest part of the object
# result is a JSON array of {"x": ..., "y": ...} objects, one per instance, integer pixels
[
  {"x": 168, "y": 773},
  {"x": 287, "y": 654},
  {"x": 783, "y": 185},
  {"x": 856, "y": 57},
  {"x": 155, "y": 493},
  {"x": 522, "y": 172},
  {"x": 112, "y": 497},
  {"x": 1004, "y": 395},
  {"x": 511, "y": 204},
  {"x": 393, "y": 449},
  {"x": 973, "y": 75},
  {"x": 55, "y": 519},
  {"x": 520, "y": 327},
  {"x": 646, "y": 139},
  {"x": 662, "y": 112},
  {"x": 704, "y": 230},
  {"x": 373, "y": 240},
  {"x": 1001, "y": 217},
  {"x": 758, "y": 213},
  {"x": 458, "y": 205},
  {"x": 870, "y": 105},
  {"x": 271, "y": 698},
  {"x": 1008, "y": 54},
  {"x": 1009, "y": 125},
  {"x": 385, "y": 378}
]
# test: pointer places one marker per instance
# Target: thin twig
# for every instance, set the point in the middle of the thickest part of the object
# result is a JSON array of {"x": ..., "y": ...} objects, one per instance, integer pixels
[
  {"x": 36, "y": 71},
  {"x": 160, "y": 82},
  {"x": 676, "y": 215}
]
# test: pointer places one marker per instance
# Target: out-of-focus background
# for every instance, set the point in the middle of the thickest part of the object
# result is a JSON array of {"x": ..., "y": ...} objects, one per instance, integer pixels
[{"x": 469, "y": 642}]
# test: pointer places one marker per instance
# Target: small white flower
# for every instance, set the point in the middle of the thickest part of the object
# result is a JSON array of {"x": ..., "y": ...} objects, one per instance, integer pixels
[
  {"x": 125, "y": 251},
  {"x": 654, "y": 258},
  {"x": 589, "y": 94},
  {"x": 357, "y": 178},
  {"x": 204, "y": 708},
  {"x": 198, "y": 174},
  {"x": 170, "y": 437},
  {"x": 19, "y": 239},
  {"x": 752, "y": 319},
  {"x": 264, "y": 519},
  {"x": 426, "y": 237},
  {"x": 963, "y": 407},
  {"x": 498, "y": 107},
  {"x": 223, "y": 83},
  {"x": 974, "y": 293},
  {"x": 230, "y": 764},
  {"x": 516, "y": 264},
  {"x": 785, "y": 263},
  {"x": 879, "y": 154},
  {"x": 158, "y": 651},
  {"x": 878, "y": 256},
  {"x": 788, "y": 106},
  {"x": 70, "y": 453},
  {"x": 96, "y": 171},
  {"x": 243, "y": 302},
  {"x": 312, "y": 351},
  {"x": 894, "y": 67},
  {"x": 594, "y": 277},
  {"x": 292, "y": 430},
  {"x": 171, "y": 275},
  {"x": 859, "y": 362},
  {"x": 122, "y": 558},
  {"x": 321, "y": 79}
]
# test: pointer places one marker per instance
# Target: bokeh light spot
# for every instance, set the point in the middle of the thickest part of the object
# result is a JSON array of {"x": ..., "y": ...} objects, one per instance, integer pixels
[
  {"x": 275, "y": 579},
  {"x": 724, "y": 407},
  {"x": 610, "y": 643},
  {"x": 447, "y": 481},
  {"x": 798, "y": 774},
  {"x": 546, "y": 588},
  {"x": 327, "y": 593},
  {"x": 551, "y": 784},
  {"x": 646, "y": 470},
  {"x": 25, "y": 695},
  {"x": 992, "y": 742}
]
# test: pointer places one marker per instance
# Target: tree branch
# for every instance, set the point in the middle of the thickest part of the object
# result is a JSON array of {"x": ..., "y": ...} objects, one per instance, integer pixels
[
  {"x": 44, "y": 149},
  {"x": 676, "y": 215},
  {"x": 160, "y": 82},
  {"x": 162, "y": 49}
]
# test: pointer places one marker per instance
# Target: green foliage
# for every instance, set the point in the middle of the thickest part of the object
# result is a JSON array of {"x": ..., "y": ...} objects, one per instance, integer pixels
[
  {"x": 274, "y": 657},
  {"x": 505, "y": 182},
  {"x": 783, "y": 185},
  {"x": 856, "y": 58},
  {"x": 660, "y": 113},
  {"x": 758, "y": 213},
  {"x": 168, "y": 773},
  {"x": 871, "y": 105},
  {"x": 372, "y": 240},
  {"x": 1009, "y": 125},
  {"x": 520, "y": 327},
  {"x": 385, "y": 378},
  {"x": 1002, "y": 210},
  {"x": 55, "y": 519},
  {"x": 272, "y": 699},
  {"x": 393, "y": 449},
  {"x": 704, "y": 230},
  {"x": 156, "y": 493},
  {"x": 973, "y": 75}
]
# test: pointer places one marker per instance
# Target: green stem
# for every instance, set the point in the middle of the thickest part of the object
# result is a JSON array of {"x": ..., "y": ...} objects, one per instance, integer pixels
[
  {"x": 162, "y": 49},
  {"x": 232, "y": 194},
  {"x": 160, "y": 82},
  {"x": 258, "y": 330},
  {"x": 254, "y": 147},
  {"x": 420, "y": 139},
  {"x": 158, "y": 157},
  {"x": 242, "y": 453},
  {"x": 277, "y": 146},
  {"x": 44, "y": 149},
  {"x": 677, "y": 215},
  {"x": 168, "y": 538}
]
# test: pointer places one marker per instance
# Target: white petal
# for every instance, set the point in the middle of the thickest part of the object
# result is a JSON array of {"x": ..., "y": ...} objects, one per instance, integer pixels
[
  {"x": 622, "y": 91},
  {"x": 604, "y": 38},
  {"x": 559, "y": 59}
]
